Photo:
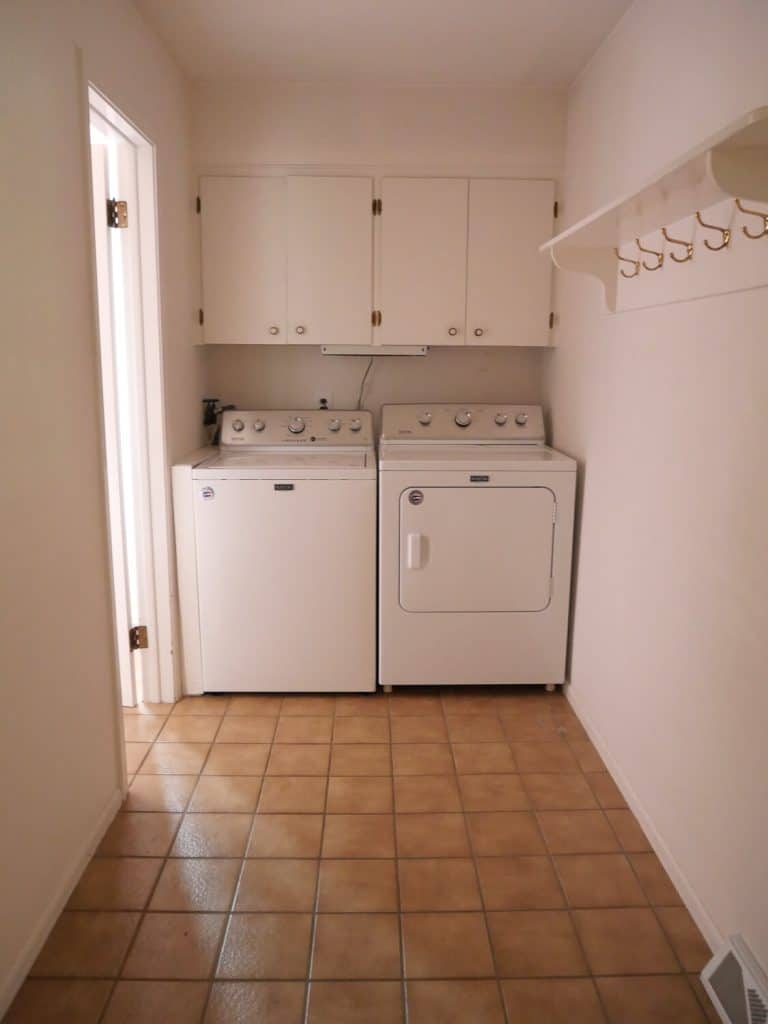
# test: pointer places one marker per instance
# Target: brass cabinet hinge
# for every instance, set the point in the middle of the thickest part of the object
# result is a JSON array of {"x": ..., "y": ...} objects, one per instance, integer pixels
[
  {"x": 551, "y": 320},
  {"x": 376, "y": 318},
  {"x": 376, "y": 207},
  {"x": 556, "y": 210},
  {"x": 198, "y": 204},
  {"x": 138, "y": 638},
  {"x": 117, "y": 213},
  {"x": 200, "y": 317}
]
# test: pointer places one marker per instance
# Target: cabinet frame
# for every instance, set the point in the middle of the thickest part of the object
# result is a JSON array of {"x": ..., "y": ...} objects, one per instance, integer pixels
[{"x": 375, "y": 342}]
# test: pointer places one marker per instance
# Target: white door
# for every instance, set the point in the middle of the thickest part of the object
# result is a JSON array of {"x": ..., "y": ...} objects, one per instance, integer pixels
[
  {"x": 509, "y": 281},
  {"x": 287, "y": 584},
  {"x": 243, "y": 260},
  {"x": 476, "y": 549},
  {"x": 122, "y": 164},
  {"x": 330, "y": 260},
  {"x": 422, "y": 270}
]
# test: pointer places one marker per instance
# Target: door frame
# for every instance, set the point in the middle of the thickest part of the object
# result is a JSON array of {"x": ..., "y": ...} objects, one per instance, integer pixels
[{"x": 158, "y": 531}]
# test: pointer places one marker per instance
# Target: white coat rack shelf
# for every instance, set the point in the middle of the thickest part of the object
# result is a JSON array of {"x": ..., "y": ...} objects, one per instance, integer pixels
[{"x": 733, "y": 164}]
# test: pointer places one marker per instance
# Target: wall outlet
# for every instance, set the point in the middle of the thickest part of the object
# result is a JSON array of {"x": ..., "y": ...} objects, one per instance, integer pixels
[{"x": 323, "y": 398}]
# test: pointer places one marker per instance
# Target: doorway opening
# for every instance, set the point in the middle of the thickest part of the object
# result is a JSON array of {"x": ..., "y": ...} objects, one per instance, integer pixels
[{"x": 127, "y": 285}]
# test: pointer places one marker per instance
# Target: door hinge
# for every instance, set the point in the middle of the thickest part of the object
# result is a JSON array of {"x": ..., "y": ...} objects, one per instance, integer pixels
[
  {"x": 137, "y": 638},
  {"x": 376, "y": 207},
  {"x": 200, "y": 317},
  {"x": 376, "y": 318},
  {"x": 551, "y": 320},
  {"x": 556, "y": 210},
  {"x": 117, "y": 213},
  {"x": 198, "y": 204}
]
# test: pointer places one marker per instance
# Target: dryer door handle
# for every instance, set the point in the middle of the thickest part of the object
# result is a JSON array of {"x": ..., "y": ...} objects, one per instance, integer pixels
[{"x": 413, "y": 551}]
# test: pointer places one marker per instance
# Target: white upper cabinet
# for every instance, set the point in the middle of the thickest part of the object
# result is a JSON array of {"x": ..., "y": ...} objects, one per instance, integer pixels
[
  {"x": 243, "y": 260},
  {"x": 422, "y": 261},
  {"x": 509, "y": 280},
  {"x": 291, "y": 260},
  {"x": 330, "y": 260}
]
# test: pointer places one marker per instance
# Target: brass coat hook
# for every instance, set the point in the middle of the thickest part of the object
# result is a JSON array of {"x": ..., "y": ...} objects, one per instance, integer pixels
[
  {"x": 651, "y": 252},
  {"x": 679, "y": 241},
  {"x": 625, "y": 259},
  {"x": 754, "y": 213},
  {"x": 725, "y": 232}
]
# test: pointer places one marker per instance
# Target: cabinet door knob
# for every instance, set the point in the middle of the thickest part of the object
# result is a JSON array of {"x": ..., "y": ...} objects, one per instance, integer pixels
[
  {"x": 453, "y": 331},
  {"x": 274, "y": 330},
  {"x": 300, "y": 329},
  {"x": 478, "y": 332}
]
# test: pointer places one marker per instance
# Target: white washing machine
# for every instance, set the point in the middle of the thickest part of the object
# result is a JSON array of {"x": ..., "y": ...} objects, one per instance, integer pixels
[
  {"x": 475, "y": 540},
  {"x": 276, "y": 549}
]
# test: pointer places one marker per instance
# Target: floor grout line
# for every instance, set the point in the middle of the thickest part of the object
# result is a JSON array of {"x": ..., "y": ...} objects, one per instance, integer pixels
[
  {"x": 315, "y": 909},
  {"x": 478, "y": 883}
]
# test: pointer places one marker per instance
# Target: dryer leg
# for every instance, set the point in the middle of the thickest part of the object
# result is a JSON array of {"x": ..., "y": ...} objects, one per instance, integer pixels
[
  {"x": 387, "y": 689},
  {"x": 551, "y": 687}
]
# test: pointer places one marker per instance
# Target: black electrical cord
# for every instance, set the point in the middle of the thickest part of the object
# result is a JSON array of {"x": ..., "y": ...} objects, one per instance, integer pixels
[{"x": 362, "y": 384}]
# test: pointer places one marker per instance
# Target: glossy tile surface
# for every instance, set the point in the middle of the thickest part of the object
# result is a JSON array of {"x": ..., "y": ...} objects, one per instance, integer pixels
[{"x": 435, "y": 857}]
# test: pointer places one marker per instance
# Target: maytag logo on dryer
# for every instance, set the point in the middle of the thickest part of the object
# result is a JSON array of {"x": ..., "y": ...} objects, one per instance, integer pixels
[{"x": 207, "y": 493}]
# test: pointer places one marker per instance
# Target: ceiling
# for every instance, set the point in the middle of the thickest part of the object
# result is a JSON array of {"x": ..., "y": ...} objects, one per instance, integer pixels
[{"x": 536, "y": 44}]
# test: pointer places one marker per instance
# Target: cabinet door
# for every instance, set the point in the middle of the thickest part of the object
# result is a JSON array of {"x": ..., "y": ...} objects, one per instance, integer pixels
[
  {"x": 423, "y": 261},
  {"x": 243, "y": 260},
  {"x": 509, "y": 280},
  {"x": 330, "y": 260}
]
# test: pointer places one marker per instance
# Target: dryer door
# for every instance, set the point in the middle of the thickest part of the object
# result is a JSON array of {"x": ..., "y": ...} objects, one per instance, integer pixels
[{"x": 476, "y": 549}]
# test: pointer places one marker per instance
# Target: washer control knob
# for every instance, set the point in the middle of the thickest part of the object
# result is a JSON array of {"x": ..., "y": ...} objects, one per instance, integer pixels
[
  {"x": 521, "y": 419},
  {"x": 425, "y": 418},
  {"x": 297, "y": 425},
  {"x": 356, "y": 425},
  {"x": 238, "y": 425},
  {"x": 463, "y": 418},
  {"x": 335, "y": 426},
  {"x": 259, "y": 425},
  {"x": 500, "y": 419}
]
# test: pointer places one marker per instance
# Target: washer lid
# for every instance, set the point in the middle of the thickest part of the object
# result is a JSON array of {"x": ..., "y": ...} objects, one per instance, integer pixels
[{"x": 302, "y": 464}]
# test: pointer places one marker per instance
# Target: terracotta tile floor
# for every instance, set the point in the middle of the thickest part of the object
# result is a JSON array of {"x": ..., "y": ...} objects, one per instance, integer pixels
[{"x": 459, "y": 855}]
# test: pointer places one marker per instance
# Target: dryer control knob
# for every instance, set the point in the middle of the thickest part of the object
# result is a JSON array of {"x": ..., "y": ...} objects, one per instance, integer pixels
[
  {"x": 355, "y": 425},
  {"x": 259, "y": 425},
  {"x": 238, "y": 425},
  {"x": 463, "y": 418},
  {"x": 425, "y": 418},
  {"x": 335, "y": 426},
  {"x": 521, "y": 419},
  {"x": 500, "y": 419},
  {"x": 297, "y": 425}
]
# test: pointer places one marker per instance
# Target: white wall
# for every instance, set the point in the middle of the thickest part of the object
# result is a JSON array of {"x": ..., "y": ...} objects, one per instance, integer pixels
[
  {"x": 59, "y": 739},
  {"x": 429, "y": 130},
  {"x": 668, "y": 411}
]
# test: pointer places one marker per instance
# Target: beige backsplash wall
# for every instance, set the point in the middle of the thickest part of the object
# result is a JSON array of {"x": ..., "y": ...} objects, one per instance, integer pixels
[
  {"x": 296, "y": 377},
  {"x": 243, "y": 128}
]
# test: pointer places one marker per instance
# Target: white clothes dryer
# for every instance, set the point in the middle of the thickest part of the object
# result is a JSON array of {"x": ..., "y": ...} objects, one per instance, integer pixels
[
  {"x": 276, "y": 549},
  {"x": 475, "y": 541}
]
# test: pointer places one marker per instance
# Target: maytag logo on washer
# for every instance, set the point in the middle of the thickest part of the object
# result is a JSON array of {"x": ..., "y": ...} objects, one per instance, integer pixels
[
  {"x": 416, "y": 497},
  {"x": 208, "y": 493}
]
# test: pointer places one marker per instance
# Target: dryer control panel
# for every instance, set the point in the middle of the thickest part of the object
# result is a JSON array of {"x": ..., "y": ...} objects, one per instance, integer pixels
[
  {"x": 463, "y": 424},
  {"x": 280, "y": 428}
]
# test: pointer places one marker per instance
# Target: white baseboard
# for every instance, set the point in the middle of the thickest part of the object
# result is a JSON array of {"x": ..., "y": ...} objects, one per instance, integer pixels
[
  {"x": 687, "y": 893},
  {"x": 10, "y": 985}
]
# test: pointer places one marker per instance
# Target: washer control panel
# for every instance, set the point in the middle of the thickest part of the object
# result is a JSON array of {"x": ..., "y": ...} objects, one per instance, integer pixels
[
  {"x": 300, "y": 427},
  {"x": 485, "y": 424}
]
